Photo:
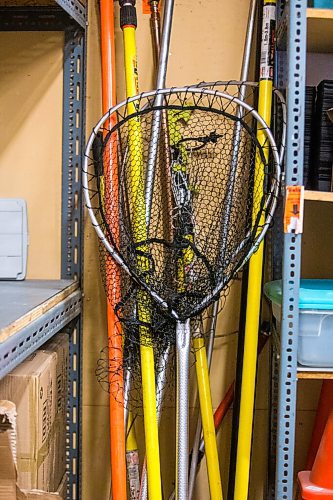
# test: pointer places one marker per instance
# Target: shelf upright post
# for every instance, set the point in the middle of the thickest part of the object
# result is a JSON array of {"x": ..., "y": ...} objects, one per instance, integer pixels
[
  {"x": 296, "y": 59},
  {"x": 72, "y": 227}
]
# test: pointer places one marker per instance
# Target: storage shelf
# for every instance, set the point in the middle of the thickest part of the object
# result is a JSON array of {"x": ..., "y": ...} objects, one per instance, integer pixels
[
  {"x": 41, "y": 15},
  {"x": 31, "y": 312},
  {"x": 314, "y": 373},
  {"x": 318, "y": 196},
  {"x": 319, "y": 30}
]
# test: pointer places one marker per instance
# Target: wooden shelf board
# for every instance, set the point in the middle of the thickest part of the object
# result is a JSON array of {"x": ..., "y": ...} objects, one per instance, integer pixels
[
  {"x": 22, "y": 302},
  {"x": 319, "y": 30},
  {"x": 318, "y": 195},
  {"x": 314, "y": 373}
]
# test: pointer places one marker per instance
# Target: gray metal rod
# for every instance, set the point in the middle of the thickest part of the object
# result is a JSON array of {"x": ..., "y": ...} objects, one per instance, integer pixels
[
  {"x": 248, "y": 41},
  {"x": 160, "y": 83},
  {"x": 194, "y": 457},
  {"x": 183, "y": 342},
  {"x": 238, "y": 127},
  {"x": 234, "y": 161},
  {"x": 127, "y": 388}
]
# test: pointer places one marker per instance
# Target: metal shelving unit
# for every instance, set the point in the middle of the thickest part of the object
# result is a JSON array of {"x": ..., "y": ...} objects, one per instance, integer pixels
[
  {"x": 296, "y": 58},
  {"x": 292, "y": 39},
  {"x": 42, "y": 307}
]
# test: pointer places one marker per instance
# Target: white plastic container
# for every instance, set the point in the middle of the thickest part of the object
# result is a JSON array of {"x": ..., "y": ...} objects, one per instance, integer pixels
[
  {"x": 315, "y": 342},
  {"x": 315, "y": 337},
  {"x": 13, "y": 239}
]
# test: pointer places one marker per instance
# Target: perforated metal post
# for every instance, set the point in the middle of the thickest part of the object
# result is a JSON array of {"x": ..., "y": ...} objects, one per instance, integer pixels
[
  {"x": 296, "y": 56},
  {"x": 273, "y": 419},
  {"x": 73, "y": 144}
]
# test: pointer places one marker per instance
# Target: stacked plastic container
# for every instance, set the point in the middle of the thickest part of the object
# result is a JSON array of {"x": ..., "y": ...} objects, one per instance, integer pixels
[{"x": 315, "y": 343}]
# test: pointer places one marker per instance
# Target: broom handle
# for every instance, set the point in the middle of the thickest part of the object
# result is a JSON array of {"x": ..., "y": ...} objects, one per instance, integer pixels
[
  {"x": 117, "y": 428},
  {"x": 196, "y": 444},
  {"x": 161, "y": 51},
  {"x": 128, "y": 25},
  {"x": 255, "y": 271}
]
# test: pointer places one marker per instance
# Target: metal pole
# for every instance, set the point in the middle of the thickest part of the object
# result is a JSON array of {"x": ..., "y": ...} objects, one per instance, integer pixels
[
  {"x": 238, "y": 127},
  {"x": 155, "y": 130},
  {"x": 183, "y": 342}
]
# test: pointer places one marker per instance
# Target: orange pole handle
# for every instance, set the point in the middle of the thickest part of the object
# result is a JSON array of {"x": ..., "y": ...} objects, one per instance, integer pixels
[{"x": 116, "y": 383}]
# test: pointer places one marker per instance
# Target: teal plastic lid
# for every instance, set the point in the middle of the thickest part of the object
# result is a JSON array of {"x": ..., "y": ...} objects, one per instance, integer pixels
[{"x": 313, "y": 294}]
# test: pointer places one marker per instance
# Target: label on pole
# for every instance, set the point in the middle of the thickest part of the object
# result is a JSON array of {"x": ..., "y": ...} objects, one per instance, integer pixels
[
  {"x": 132, "y": 460},
  {"x": 293, "y": 210},
  {"x": 136, "y": 75},
  {"x": 268, "y": 43}
]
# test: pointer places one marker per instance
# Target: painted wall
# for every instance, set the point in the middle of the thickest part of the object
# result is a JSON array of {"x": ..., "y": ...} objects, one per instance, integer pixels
[{"x": 30, "y": 139}]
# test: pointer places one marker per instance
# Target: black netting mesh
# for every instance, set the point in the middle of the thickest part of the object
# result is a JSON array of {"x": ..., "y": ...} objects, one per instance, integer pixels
[
  {"x": 207, "y": 209},
  {"x": 162, "y": 338}
]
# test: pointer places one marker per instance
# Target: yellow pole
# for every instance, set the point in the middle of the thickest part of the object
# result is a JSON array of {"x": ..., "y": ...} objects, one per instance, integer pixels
[
  {"x": 255, "y": 267},
  {"x": 137, "y": 199},
  {"x": 207, "y": 417}
]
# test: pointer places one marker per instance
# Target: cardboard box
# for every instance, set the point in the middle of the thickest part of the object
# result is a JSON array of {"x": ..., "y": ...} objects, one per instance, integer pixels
[
  {"x": 59, "y": 345},
  {"x": 32, "y": 387},
  {"x": 7, "y": 451},
  {"x": 8, "y": 474},
  {"x": 60, "y": 494}
]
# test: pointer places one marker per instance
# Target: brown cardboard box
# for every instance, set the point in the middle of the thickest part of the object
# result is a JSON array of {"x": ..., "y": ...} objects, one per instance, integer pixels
[
  {"x": 7, "y": 451},
  {"x": 32, "y": 387},
  {"x": 7, "y": 469},
  {"x": 60, "y": 494},
  {"x": 59, "y": 345},
  {"x": 8, "y": 487}
]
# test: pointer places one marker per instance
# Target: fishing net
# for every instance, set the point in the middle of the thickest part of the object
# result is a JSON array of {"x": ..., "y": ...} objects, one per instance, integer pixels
[
  {"x": 162, "y": 331},
  {"x": 178, "y": 219},
  {"x": 200, "y": 228},
  {"x": 211, "y": 198}
]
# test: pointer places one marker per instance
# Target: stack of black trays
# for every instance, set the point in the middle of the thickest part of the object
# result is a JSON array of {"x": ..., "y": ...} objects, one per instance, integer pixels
[
  {"x": 310, "y": 101},
  {"x": 322, "y": 144}
]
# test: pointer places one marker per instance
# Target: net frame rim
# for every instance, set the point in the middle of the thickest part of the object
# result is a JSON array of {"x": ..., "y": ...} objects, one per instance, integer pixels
[
  {"x": 270, "y": 200},
  {"x": 276, "y": 91}
]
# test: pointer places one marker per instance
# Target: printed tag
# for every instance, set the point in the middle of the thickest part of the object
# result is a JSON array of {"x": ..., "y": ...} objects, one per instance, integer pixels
[
  {"x": 267, "y": 43},
  {"x": 294, "y": 208},
  {"x": 136, "y": 75}
]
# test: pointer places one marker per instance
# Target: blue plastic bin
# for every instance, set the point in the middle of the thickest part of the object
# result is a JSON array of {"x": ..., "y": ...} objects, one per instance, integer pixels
[{"x": 315, "y": 343}]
